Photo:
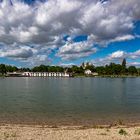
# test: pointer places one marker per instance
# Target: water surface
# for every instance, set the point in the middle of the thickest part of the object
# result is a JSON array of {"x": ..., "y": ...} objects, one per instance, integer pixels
[{"x": 69, "y": 100}]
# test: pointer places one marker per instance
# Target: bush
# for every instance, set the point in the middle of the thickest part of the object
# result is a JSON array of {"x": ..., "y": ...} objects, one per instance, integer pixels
[
  {"x": 137, "y": 132},
  {"x": 122, "y": 132}
]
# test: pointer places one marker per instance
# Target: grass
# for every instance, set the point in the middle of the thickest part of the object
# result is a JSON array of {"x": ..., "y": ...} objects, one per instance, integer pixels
[
  {"x": 103, "y": 134},
  {"x": 6, "y": 135},
  {"x": 137, "y": 132},
  {"x": 9, "y": 136},
  {"x": 2, "y": 75},
  {"x": 120, "y": 122},
  {"x": 122, "y": 132},
  {"x": 107, "y": 130},
  {"x": 98, "y": 127}
]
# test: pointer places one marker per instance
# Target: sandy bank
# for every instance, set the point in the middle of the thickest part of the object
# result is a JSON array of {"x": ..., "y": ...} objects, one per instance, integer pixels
[{"x": 39, "y": 132}]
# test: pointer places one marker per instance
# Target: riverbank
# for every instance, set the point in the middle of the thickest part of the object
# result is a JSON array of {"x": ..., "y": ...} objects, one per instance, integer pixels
[
  {"x": 44, "y": 132},
  {"x": 108, "y": 76},
  {"x": 74, "y": 76}
]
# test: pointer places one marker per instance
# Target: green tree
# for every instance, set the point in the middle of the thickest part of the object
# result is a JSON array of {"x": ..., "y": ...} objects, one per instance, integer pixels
[
  {"x": 2, "y": 69},
  {"x": 83, "y": 65},
  {"x": 124, "y": 63},
  {"x": 132, "y": 70},
  {"x": 11, "y": 68},
  {"x": 41, "y": 68},
  {"x": 124, "y": 69},
  {"x": 76, "y": 69},
  {"x": 25, "y": 69},
  {"x": 100, "y": 70},
  {"x": 117, "y": 69},
  {"x": 90, "y": 67},
  {"x": 138, "y": 71}
]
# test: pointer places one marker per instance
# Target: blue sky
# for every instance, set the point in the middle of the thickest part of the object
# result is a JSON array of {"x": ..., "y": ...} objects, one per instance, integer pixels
[{"x": 63, "y": 32}]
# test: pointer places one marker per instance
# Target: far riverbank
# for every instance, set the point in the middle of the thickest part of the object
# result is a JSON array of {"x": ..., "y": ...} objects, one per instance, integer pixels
[{"x": 108, "y": 76}]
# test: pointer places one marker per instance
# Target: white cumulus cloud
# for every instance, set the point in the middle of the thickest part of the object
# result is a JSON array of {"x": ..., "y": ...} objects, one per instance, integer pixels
[
  {"x": 42, "y": 26},
  {"x": 118, "y": 56}
]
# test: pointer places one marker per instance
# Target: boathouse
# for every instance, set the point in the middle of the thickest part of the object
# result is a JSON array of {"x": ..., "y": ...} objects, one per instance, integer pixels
[{"x": 45, "y": 74}]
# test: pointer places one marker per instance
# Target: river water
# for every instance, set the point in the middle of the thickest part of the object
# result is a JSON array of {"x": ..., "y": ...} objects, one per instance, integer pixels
[{"x": 69, "y": 100}]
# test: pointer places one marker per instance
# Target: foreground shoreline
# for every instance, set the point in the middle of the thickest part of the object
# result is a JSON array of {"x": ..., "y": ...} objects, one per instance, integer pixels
[{"x": 46, "y": 132}]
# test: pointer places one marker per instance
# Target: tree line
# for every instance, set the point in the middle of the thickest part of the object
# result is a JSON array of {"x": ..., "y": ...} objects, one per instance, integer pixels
[
  {"x": 42, "y": 68},
  {"x": 111, "y": 69}
]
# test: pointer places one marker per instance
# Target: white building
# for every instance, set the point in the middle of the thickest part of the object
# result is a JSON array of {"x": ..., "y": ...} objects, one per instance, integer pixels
[
  {"x": 88, "y": 72},
  {"x": 45, "y": 74},
  {"x": 95, "y": 74}
]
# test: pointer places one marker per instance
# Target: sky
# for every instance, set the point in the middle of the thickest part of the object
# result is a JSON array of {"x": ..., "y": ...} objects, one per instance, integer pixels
[{"x": 69, "y": 32}]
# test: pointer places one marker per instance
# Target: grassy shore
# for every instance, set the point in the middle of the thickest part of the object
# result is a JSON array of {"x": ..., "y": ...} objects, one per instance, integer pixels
[
  {"x": 119, "y": 76},
  {"x": 42, "y": 132},
  {"x": 110, "y": 76}
]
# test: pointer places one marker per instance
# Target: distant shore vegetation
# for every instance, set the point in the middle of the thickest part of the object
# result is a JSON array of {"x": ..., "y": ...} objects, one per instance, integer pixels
[{"x": 108, "y": 70}]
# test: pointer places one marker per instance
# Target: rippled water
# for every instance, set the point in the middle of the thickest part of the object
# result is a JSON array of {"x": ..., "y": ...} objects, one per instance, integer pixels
[{"x": 69, "y": 100}]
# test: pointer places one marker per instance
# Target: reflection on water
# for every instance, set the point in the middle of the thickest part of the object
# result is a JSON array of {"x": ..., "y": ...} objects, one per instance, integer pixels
[{"x": 69, "y": 99}]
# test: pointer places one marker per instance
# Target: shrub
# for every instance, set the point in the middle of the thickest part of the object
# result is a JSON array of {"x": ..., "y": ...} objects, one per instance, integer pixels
[
  {"x": 122, "y": 132},
  {"x": 120, "y": 122},
  {"x": 137, "y": 132}
]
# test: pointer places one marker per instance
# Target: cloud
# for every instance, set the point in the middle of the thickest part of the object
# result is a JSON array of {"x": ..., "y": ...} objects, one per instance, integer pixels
[
  {"x": 124, "y": 38},
  {"x": 117, "y": 57},
  {"x": 137, "y": 64},
  {"x": 26, "y": 54},
  {"x": 66, "y": 64},
  {"x": 135, "y": 55},
  {"x": 42, "y": 26},
  {"x": 37, "y": 60},
  {"x": 73, "y": 50},
  {"x": 16, "y": 52}
]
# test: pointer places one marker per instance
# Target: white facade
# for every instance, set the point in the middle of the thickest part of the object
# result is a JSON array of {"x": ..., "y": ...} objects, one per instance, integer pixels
[
  {"x": 88, "y": 72},
  {"x": 45, "y": 74},
  {"x": 95, "y": 74}
]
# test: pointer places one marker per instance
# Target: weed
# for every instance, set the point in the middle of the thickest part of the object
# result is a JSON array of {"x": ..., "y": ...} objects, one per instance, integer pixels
[
  {"x": 120, "y": 122},
  {"x": 122, "y": 132},
  {"x": 104, "y": 134},
  {"x": 107, "y": 130},
  {"x": 137, "y": 132}
]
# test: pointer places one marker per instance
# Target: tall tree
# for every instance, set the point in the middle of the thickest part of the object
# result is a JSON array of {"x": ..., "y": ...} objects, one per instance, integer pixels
[
  {"x": 124, "y": 70},
  {"x": 2, "y": 69},
  {"x": 124, "y": 63}
]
